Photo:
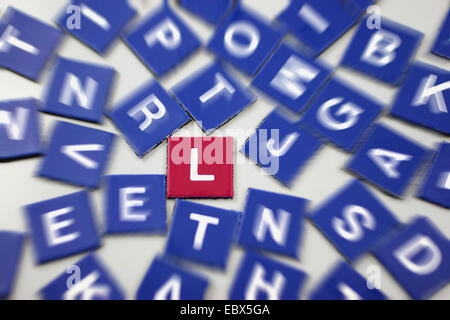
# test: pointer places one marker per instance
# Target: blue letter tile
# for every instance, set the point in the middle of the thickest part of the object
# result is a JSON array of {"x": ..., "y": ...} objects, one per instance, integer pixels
[
  {"x": 262, "y": 278},
  {"x": 78, "y": 90},
  {"x": 162, "y": 41},
  {"x": 211, "y": 11},
  {"x": 418, "y": 256},
  {"x": 201, "y": 233},
  {"x": 19, "y": 129},
  {"x": 388, "y": 160},
  {"x": 319, "y": 23},
  {"x": 88, "y": 279},
  {"x": 135, "y": 203},
  {"x": 280, "y": 147},
  {"x": 62, "y": 226},
  {"x": 76, "y": 154},
  {"x": 354, "y": 220},
  {"x": 245, "y": 40},
  {"x": 383, "y": 53},
  {"x": 291, "y": 78},
  {"x": 436, "y": 185},
  {"x": 212, "y": 97},
  {"x": 26, "y": 43},
  {"x": 344, "y": 283},
  {"x": 424, "y": 98},
  {"x": 342, "y": 113},
  {"x": 94, "y": 23},
  {"x": 11, "y": 244},
  {"x": 148, "y": 116},
  {"x": 272, "y": 222},
  {"x": 441, "y": 45},
  {"x": 165, "y": 281}
]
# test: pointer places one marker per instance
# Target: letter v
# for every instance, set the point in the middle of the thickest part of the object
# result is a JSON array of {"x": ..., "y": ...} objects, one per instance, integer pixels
[
  {"x": 73, "y": 152},
  {"x": 286, "y": 144}
]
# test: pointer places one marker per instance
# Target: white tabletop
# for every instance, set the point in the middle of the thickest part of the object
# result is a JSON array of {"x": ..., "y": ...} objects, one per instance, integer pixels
[{"x": 128, "y": 257}]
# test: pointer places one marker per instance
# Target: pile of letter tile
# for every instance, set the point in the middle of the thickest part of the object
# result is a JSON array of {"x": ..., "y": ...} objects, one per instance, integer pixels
[{"x": 417, "y": 254}]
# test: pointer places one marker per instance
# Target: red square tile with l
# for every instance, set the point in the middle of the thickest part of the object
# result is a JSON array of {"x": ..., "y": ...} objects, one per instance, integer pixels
[{"x": 200, "y": 167}]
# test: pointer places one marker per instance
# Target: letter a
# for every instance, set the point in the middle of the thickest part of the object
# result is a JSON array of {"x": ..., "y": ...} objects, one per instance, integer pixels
[{"x": 389, "y": 167}]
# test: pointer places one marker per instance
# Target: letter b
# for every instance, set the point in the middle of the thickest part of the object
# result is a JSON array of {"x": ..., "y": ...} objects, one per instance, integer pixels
[{"x": 380, "y": 50}]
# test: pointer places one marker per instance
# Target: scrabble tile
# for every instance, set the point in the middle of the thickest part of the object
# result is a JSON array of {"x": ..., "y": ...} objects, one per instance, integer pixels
[
  {"x": 424, "y": 98},
  {"x": 78, "y": 90},
  {"x": 344, "y": 283},
  {"x": 212, "y": 97},
  {"x": 262, "y": 278},
  {"x": 436, "y": 185},
  {"x": 418, "y": 256},
  {"x": 211, "y": 11},
  {"x": 383, "y": 53},
  {"x": 201, "y": 233},
  {"x": 87, "y": 279},
  {"x": 319, "y": 23},
  {"x": 76, "y": 154},
  {"x": 353, "y": 220},
  {"x": 61, "y": 226},
  {"x": 441, "y": 45},
  {"x": 162, "y": 41},
  {"x": 280, "y": 147},
  {"x": 200, "y": 167},
  {"x": 93, "y": 23},
  {"x": 291, "y": 78},
  {"x": 363, "y": 4},
  {"x": 165, "y": 281},
  {"x": 135, "y": 203},
  {"x": 272, "y": 221},
  {"x": 11, "y": 244},
  {"x": 388, "y": 160},
  {"x": 19, "y": 129},
  {"x": 26, "y": 43},
  {"x": 147, "y": 117},
  {"x": 245, "y": 40},
  {"x": 342, "y": 113}
]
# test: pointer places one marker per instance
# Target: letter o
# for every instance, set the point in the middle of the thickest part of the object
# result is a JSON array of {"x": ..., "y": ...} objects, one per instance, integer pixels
[{"x": 244, "y": 28}]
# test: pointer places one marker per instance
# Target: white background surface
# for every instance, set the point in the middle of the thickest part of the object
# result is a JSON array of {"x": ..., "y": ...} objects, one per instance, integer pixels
[{"x": 128, "y": 257}]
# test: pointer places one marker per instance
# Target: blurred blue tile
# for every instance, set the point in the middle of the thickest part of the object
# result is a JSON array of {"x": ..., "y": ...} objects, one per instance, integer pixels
[
  {"x": 26, "y": 43},
  {"x": 245, "y": 40},
  {"x": 436, "y": 185},
  {"x": 424, "y": 97},
  {"x": 87, "y": 279},
  {"x": 344, "y": 283},
  {"x": 19, "y": 129},
  {"x": 148, "y": 116},
  {"x": 280, "y": 147},
  {"x": 388, "y": 160},
  {"x": 354, "y": 220},
  {"x": 201, "y": 233},
  {"x": 342, "y": 113},
  {"x": 273, "y": 222},
  {"x": 62, "y": 226},
  {"x": 291, "y": 78},
  {"x": 135, "y": 203},
  {"x": 384, "y": 53},
  {"x": 262, "y": 278},
  {"x": 441, "y": 45},
  {"x": 213, "y": 96},
  {"x": 94, "y": 23},
  {"x": 76, "y": 154},
  {"x": 418, "y": 256},
  {"x": 11, "y": 244},
  {"x": 78, "y": 90},
  {"x": 161, "y": 40},
  {"x": 165, "y": 281}
]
